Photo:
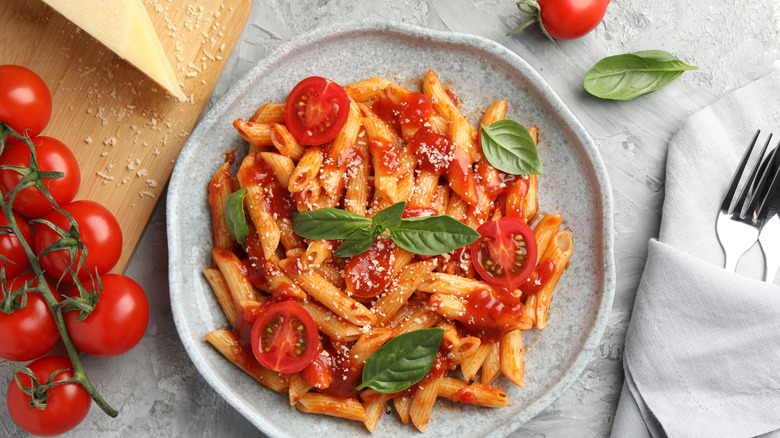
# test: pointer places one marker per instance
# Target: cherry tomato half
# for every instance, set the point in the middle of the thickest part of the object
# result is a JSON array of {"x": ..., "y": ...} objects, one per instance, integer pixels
[
  {"x": 570, "y": 19},
  {"x": 25, "y": 101},
  {"x": 99, "y": 231},
  {"x": 315, "y": 111},
  {"x": 118, "y": 321},
  {"x": 66, "y": 406},
  {"x": 29, "y": 332},
  {"x": 53, "y": 156},
  {"x": 505, "y": 254},
  {"x": 284, "y": 337},
  {"x": 12, "y": 249}
]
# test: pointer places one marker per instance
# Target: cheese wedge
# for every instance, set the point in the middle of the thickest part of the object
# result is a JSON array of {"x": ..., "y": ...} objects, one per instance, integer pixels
[{"x": 124, "y": 27}]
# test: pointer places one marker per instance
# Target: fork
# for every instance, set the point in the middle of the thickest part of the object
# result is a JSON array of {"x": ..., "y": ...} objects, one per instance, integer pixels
[
  {"x": 769, "y": 237},
  {"x": 736, "y": 231}
]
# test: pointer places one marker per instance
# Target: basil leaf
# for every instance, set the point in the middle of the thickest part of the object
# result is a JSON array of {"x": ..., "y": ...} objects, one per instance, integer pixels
[
  {"x": 235, "y": 218},
  {"x": 509, "y": 147},
  {"x": 389, "y": 217},
  {"x": 358, "y": 242},
  {"x": 432, "y": 235},
  {"x": 402, "y": 361},
  {"x": 624, "y": 77},
  {"x": 328, "y": 223}
]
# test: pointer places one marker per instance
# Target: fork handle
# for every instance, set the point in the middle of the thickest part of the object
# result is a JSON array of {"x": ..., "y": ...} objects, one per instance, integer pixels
[{"x": 731, "y": 263}]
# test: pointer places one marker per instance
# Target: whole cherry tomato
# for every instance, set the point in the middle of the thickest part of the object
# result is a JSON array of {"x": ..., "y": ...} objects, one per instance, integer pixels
[
  {"x": 99, "y": 231},
  {"x": 564, "y": 19},
  {"x": 52, "y": 156},
  {"x": 16, "y": 259},
  {"x": 28, "y": 332},
  {"x": 118, "y": 321},
  {"x": 25, "y": 101},
  {"x": 67, "y": 404}
]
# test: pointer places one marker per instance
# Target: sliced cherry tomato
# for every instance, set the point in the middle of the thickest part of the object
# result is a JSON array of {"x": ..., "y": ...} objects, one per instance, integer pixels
[
  {"x": 29, "y": 332},
  {"x": 53, "y": 156},
  {"x": 67, "y": 404},
  {"x": 12, "y": 249},
  {"x": 118, "y": 321},
  {"x": 505, "y": 254},
  {"x": 99, "y": 231},
  {"x": 25, "y": 101},
  {"x": 284, "y": 337},
  {"x": 315, "y": 111}
]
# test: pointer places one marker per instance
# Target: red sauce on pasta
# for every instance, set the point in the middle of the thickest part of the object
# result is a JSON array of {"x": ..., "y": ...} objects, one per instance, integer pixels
[
  {"x": 409, "y": 113},
  {"x": 275, "y": 197},
  {"x": 491, "y": 313},
  {"x": 539, "y": 277},
  {"x": 368, "y": 274},
  {"x": 433, "y": 151},
  {"x": 387, "y": 153}
]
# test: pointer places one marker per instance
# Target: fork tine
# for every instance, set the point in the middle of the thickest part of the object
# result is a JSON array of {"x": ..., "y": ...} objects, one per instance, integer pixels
[
  {"x": 725, "y": 206},
  {"x": 755, "y": 183},
  {"x": 774, "y": 186}
]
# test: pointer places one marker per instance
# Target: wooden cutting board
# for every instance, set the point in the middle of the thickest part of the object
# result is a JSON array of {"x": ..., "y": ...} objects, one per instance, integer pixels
[{"x": 125, "y": 130}]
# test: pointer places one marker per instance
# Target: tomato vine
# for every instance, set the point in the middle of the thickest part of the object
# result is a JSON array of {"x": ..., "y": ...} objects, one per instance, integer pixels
[{"x": 85, "y": 301}]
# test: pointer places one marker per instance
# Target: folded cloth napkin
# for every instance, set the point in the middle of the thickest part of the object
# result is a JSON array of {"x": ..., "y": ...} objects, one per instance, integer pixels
[{"x": 702, "y": 353}]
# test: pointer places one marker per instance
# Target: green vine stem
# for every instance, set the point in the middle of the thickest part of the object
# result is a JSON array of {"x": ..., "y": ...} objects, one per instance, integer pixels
[
  {"x": 531, "y": 7},
  {"x": 79, "y": 374}
]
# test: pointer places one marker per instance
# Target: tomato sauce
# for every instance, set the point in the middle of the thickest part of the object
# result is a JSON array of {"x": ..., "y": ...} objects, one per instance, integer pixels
[
  {"x": 491, "y": 314},
  {"x": 388, "y": 155},
  {"x": 410, "y": 113},
  {"x": 347, "y": 374},
  {"x": 242, "y": 329},
  {"x": 539, "y": 277},
  {"x": 417, "y": 212},
  {"x": 276, "y": 199},
  {"x": 368, "y": 274},
  {"x": 433, "y": 151}
]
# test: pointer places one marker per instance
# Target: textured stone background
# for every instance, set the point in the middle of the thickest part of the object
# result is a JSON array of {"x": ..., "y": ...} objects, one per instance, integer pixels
[{"x": 158, "y": 392}]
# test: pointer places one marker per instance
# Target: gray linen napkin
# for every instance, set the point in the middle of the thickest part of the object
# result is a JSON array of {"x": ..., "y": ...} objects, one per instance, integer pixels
[{"x": 702, "y": 353}]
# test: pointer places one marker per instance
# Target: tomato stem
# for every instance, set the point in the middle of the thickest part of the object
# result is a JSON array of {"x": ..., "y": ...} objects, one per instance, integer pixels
[
  {"x": 532, "y": 7},
  {"x": 80, "y": 375}
]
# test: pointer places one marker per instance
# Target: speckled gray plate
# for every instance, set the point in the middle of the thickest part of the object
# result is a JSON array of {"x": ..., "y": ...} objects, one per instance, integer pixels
[{"x": 574, "y": 183}]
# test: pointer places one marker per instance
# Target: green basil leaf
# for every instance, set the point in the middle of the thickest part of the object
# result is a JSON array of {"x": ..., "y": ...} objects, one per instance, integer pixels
[
  {"x": 390, "y": 217},
  {"x": 234, "y": 215},
  {"x": 509, "y": 147},
  {"x": 402, "y": 361},
  {"x": 357, "y": 243},
  {"x": 328, "y": 223},
  {"x": 432, "y": 235},
  {"x": 624, "y": 77}
]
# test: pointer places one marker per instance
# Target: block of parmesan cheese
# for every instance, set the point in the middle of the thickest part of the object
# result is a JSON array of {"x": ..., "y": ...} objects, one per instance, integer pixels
[{"x": 124, "y": 27}]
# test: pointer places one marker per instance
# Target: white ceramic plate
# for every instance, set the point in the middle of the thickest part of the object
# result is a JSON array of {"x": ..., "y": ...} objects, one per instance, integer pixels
[{"x": 574, "y": 183}]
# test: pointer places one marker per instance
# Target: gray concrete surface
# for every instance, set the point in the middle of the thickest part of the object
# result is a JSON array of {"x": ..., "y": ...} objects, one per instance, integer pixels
[{"x": 158, "y": 392}]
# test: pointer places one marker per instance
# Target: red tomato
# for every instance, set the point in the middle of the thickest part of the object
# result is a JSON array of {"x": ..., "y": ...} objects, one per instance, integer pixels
[
  {"x": 11, "y": 248},
  {"x": 25, "y": 101},
  {"x": 284, "y": 337},
  {"x": 99, "y": 231},
  {"x": 570, "y": 19},
  {"x": 53, "y": 156},
  {"x": 368, "y": 273},
  {"x": 29, "y": 332},
  {"x": 118, "y": 321},
  {"x": 315, "y": 111},
  {"x": 505, "y": 254},
  {"x": 66, "y": 406}
]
